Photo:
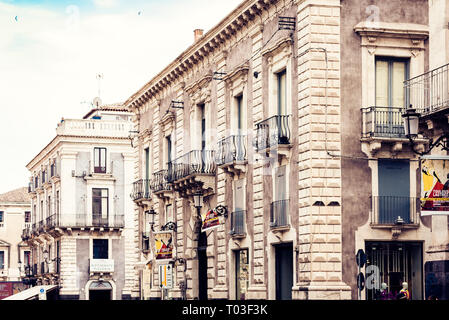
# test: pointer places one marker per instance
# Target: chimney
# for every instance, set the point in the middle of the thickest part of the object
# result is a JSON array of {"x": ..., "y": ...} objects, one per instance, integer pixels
[{"x": 198, "y": 33}]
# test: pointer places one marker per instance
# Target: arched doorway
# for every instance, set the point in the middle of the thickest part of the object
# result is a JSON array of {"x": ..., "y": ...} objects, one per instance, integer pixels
[
  {"x": 202, "y": 266},
  {"x": 100, "y": 290}
]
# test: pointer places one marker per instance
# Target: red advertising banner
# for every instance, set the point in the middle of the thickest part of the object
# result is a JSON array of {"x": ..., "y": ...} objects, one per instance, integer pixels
[
  {"x": 434, "y": 186},
  {"x": 209, "y": 220},
  {"x": 163, "y": 242},
  {"x": 6, "y": 289}
]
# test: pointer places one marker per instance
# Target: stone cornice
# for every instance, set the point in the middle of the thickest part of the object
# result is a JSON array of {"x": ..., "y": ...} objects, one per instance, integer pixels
[
  {"x": 245, "y": 13},
  {"x": 410, "y": 31},
  {"x": 281, "y": 44},
  {"x": 239, "y": 71}
]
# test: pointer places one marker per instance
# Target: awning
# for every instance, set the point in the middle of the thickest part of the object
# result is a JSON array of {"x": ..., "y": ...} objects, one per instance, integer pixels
[{"x": 31, "y": 293}]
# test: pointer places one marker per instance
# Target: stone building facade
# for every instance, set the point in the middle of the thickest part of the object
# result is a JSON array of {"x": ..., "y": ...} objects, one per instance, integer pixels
[
  {"x": 15, "y": 214},
  {"x": 83, "y": 230},
  {"x": 286, "y": 113}
]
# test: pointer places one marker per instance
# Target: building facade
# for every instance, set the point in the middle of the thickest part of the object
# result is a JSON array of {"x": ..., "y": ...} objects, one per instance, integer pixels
[
  {"x": 15, "y": 215},
  {"x": 288, "y": 115},
  {"x": 429, "y": 96},
  {"x": 83, "y": 230}
]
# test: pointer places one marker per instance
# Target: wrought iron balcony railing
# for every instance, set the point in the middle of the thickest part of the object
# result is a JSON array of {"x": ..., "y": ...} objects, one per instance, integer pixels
[
  {"x": 193, "y": 162},
  {"x": 386, "y": 210},
  {"x": 78, "y": 221},
  {"x": 273, "y": 131},
  {"x": 230, "y": 149},
  {"x": 382, "y": 122},
  {"x": 160, "y": 181},
  {"x": 279, "y": 213},
  {"x": 26, "y": 233},
  {"x": 141, "y": 189},
  {"x": 429, "y": 92},
  {"x": 238, "y": 223}
]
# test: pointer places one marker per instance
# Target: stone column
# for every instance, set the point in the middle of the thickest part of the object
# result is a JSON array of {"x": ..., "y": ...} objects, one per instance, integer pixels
[
  {"x": 257, "y": 287},
  {"x": 319, "y": 177}
]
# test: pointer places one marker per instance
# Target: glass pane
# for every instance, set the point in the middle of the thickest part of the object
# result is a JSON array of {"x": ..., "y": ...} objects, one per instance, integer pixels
[
  {"x": 96, "y": 192},
  {"x": 96, "y": 206},
  {"x": 96, "y": 157},
  {"x": 381, "y": 83},
  {"x": 104, "y": 207},
  {"x": 100, "y": 249},
  {"x": 282, "y": 93},
  {"x": 398, "y": 84},
  {"x": 103, "y": 158}
]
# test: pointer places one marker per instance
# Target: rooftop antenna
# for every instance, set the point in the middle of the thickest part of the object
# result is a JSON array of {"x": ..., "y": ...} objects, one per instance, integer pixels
[{"x": 99, "y": 78}]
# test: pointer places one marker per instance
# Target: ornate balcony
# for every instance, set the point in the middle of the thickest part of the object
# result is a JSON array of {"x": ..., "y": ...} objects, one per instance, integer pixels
[
  {"x": 94, "y": 128},
  {"x": 429, "y": 92},
  {"x": 274, "y": 135},
  {"x": 160, "y": 184},
  {"x": 238, "y": 224},
  {"x": 142, "y": 192},
  {"x": 192, "y": 171},
  {"x": 279, "y": 215},
  {"x": 55, "y": 223},
  {"x": 383, "y": 127},
  {"x": 231, "y": 154},
  {"x": 389, "y": 210},
  {"x": 26, "y": 234}
]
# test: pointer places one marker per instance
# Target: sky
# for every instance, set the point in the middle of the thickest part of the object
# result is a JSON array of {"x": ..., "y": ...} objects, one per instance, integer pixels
[{"x": 52, "y": 51}]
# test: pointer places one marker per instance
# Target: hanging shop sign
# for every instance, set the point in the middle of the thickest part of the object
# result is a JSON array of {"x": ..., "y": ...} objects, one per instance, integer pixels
[
  {"x": 434, "y": 185},
  {"x": 166, "y": 276},
  {"x": 210, "y": 220},
  {"x": 163, "y": 242}
]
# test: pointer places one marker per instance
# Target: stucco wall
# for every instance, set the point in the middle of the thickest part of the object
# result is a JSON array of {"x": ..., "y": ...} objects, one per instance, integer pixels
[{"x": 356, "y": 175}]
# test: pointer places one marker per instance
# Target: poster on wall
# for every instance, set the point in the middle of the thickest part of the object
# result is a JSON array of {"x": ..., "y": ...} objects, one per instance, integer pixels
[
  {"x": 210, "y": 220},
  {"x": 163, "y": 242},
  {"x": 434, "y": 185}
]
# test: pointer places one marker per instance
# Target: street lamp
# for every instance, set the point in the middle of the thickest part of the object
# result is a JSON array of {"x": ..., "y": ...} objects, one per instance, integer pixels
[
  {"x": 198, "y": 199},
  {"x": 411, "y": 124},
  {"x": 150, "y": 217}
]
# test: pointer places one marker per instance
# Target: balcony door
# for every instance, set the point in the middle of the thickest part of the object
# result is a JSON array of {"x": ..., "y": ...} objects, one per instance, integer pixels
[
  {"x": 284, "y": 271},
  {"x": 99, "y": 160},
  {"x": 100, "y": 207},
  {"x": 394, "y": 190},
  {"x": 391, "y": 97},
  {"x": 279, "y": 207}
]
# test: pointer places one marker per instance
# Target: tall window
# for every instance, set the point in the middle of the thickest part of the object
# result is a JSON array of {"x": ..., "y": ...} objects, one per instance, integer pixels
[
  {"x": 2, "y": 217},
  {"x": 169, "y": 149},
  {"x": 27, "y": 216},
  {"x": 26, "y": 258},
  {"x": 100, "y": 203},
  {"x": 57, "y": 256},
  {"x": 168, "y": 213},
  {"x": 41, "y": 213},
  {"x": 239, "y": 112},
  {"x": 147, "y": 163},
  {"x": 2, "y": 260},
  {"x": 49, "y": 206},
  {"x": 282, "y": 93},
  {"x": 390, "y": 75},
  {"x": 57, "y": 203},
  {"x": 99, "y": 160},
  {"x": 100, "y": 248},
  {"x": 202, "y": 108}
]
